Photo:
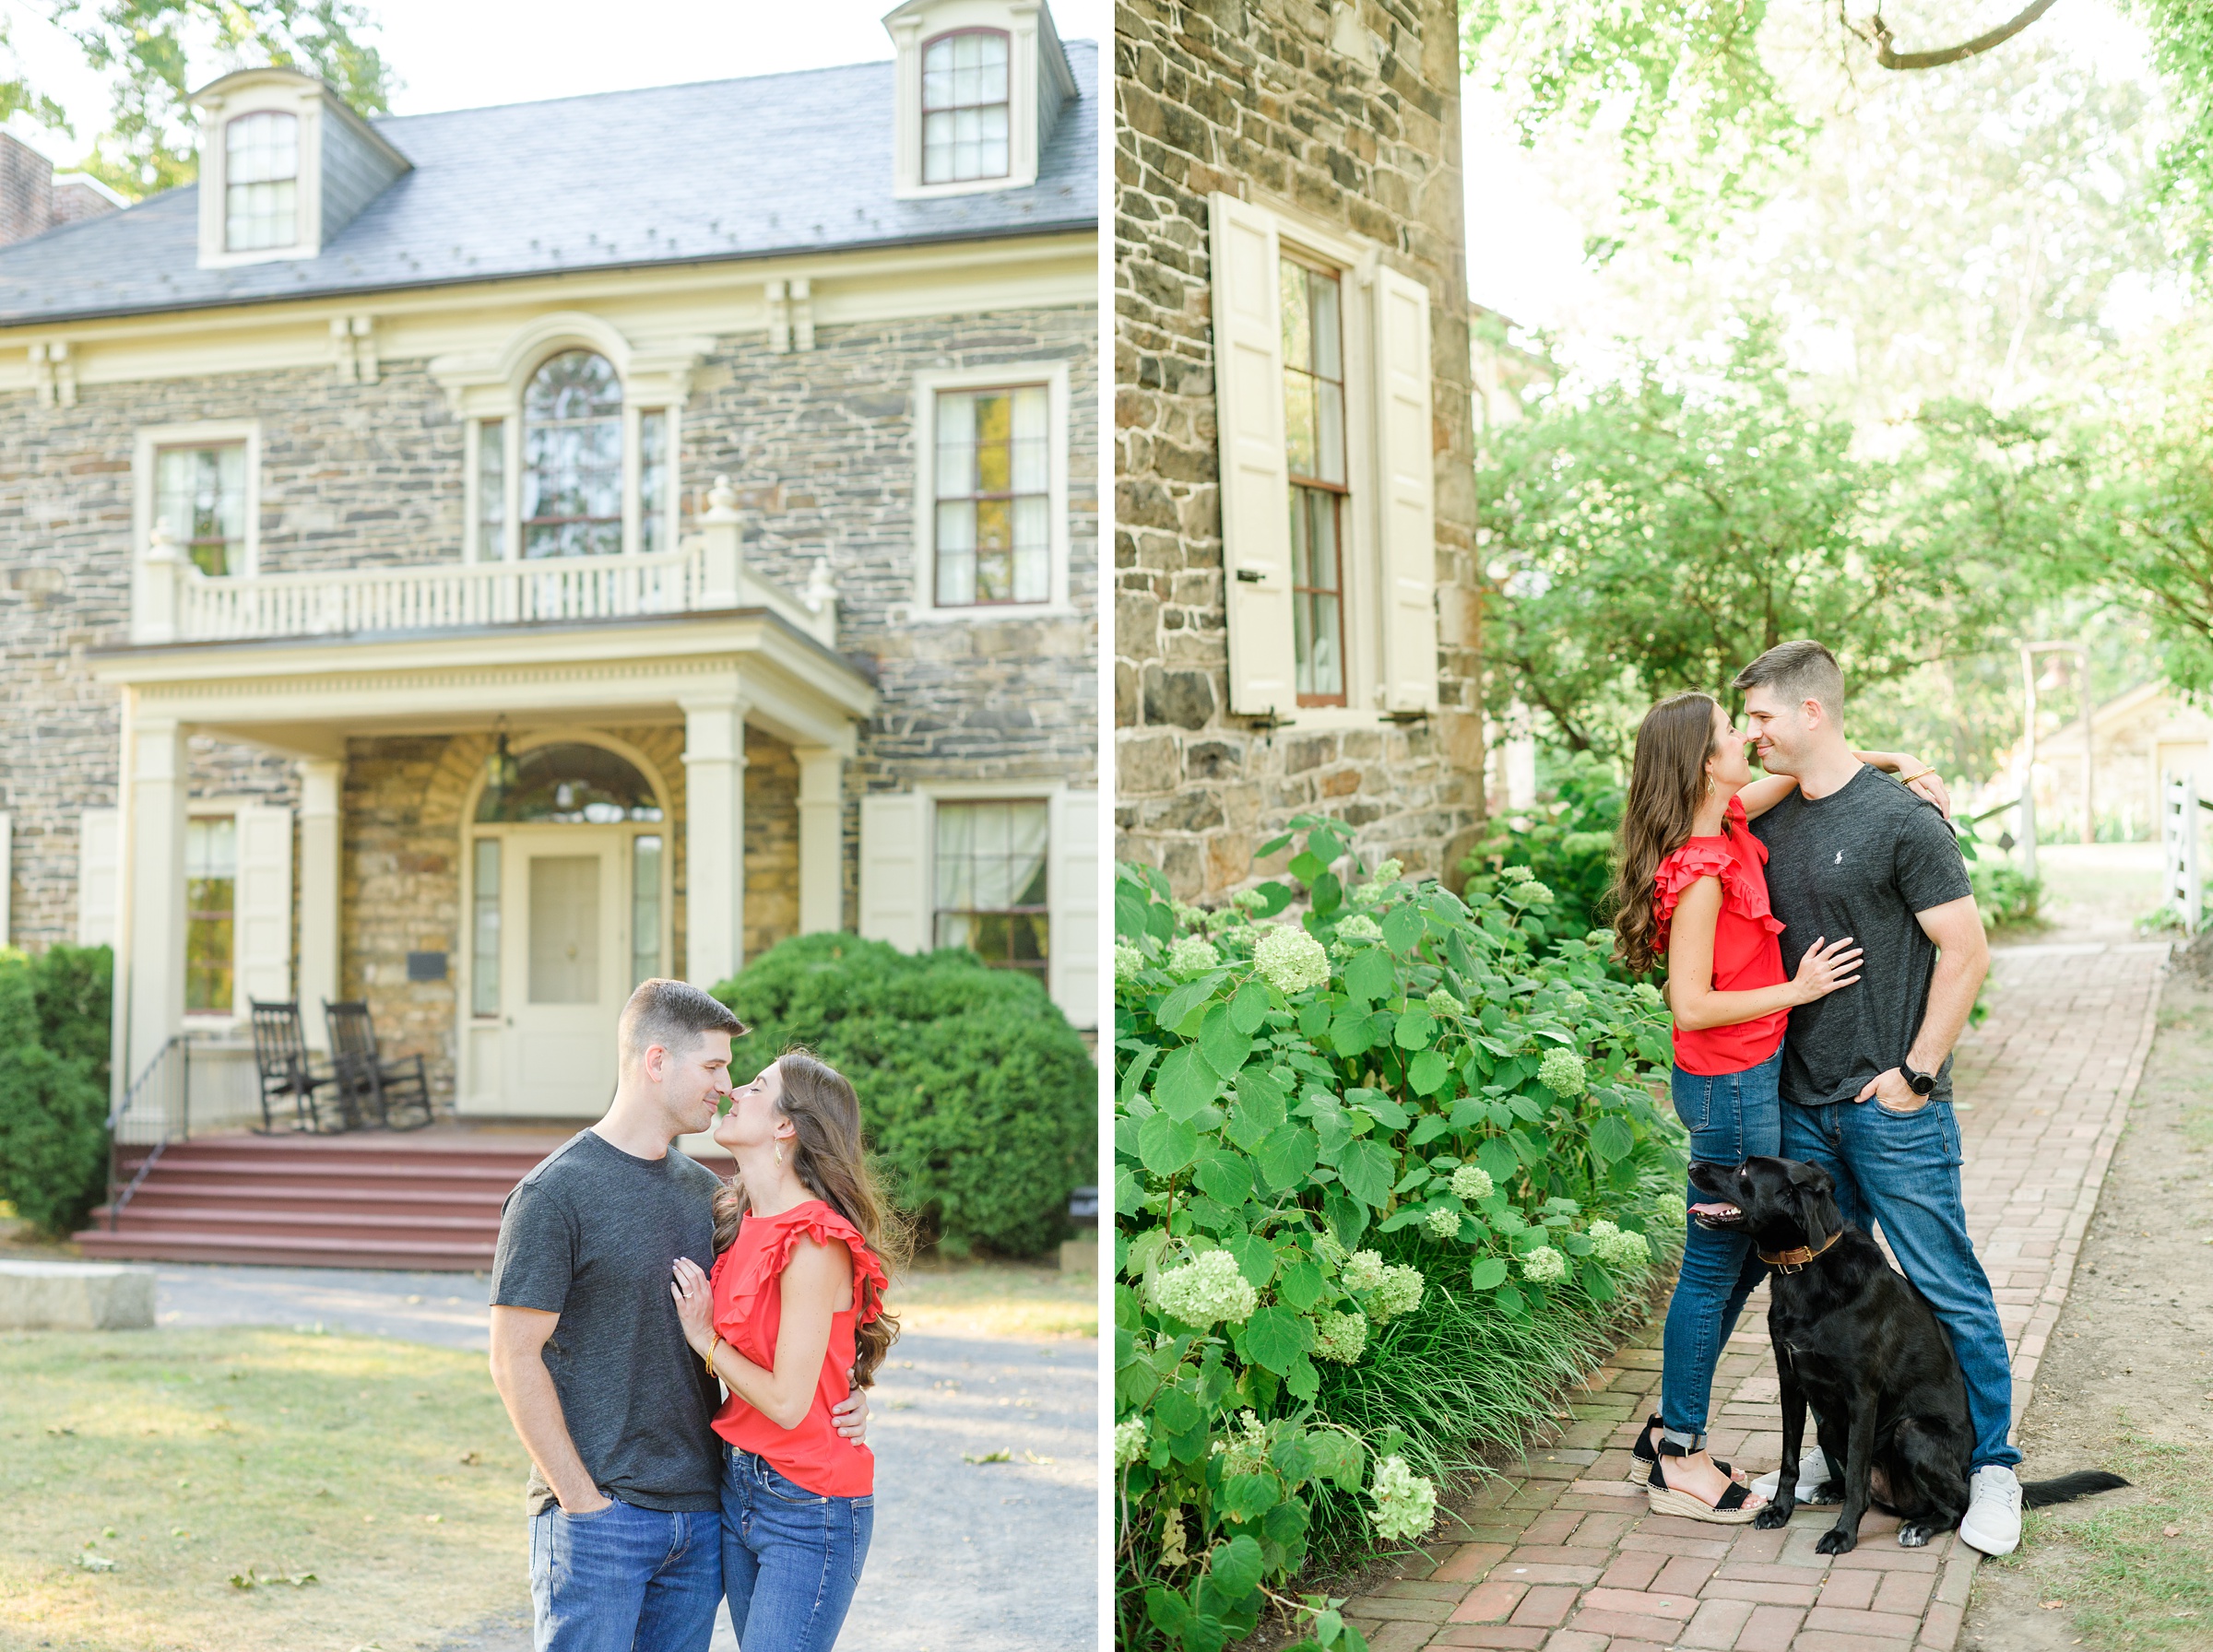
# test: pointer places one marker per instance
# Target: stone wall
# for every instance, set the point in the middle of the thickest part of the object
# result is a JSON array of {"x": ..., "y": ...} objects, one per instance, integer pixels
[{"x": 1348, "y": 114}]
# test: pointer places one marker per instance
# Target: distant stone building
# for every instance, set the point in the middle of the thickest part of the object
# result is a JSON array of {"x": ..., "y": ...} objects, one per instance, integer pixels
[
  {"x": 1298, "y": 596},
  {"x": 2137, "y": 737},
  {"x": 474, "y": 562}
]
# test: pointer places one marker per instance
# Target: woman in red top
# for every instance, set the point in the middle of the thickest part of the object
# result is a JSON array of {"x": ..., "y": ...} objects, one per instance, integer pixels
[
  {"x": 795, "y": 1302},
  {"x": 1693, "y": 892}
]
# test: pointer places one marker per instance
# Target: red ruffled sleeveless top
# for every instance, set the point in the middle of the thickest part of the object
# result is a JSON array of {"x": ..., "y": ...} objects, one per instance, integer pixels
[
  {"x": 748, "y": 1309},
  {"x": 1746, "y": 954}
]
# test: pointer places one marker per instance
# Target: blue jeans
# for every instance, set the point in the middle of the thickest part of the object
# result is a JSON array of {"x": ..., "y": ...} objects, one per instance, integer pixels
[
  {"x": 791, "y": 1558},
  {"x": 624, "y": 1578},
  {"x": 1902, "y": 1169},
  {"x": 1730, "y": 1117}
]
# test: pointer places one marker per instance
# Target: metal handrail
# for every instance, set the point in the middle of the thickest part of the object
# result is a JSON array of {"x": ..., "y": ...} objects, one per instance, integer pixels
[{"x": 177, "y": 1128}]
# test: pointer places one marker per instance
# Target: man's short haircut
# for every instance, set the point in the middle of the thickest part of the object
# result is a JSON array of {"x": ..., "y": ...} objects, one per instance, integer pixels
[
  {"x": 673, "y": 1014},
  {"x": 1798, "y": 672}
]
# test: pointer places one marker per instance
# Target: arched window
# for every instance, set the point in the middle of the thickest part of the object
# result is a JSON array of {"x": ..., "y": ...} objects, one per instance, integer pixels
[
  {"x": 569, "y": 784},
  {"x": 261, "y": 182},
  {"x": 572, "y": 458},
  {"x": 965, "y": 107}
]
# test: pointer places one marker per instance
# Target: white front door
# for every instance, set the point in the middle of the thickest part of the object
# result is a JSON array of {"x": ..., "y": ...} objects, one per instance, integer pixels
[{"x": 565, "y": 961}]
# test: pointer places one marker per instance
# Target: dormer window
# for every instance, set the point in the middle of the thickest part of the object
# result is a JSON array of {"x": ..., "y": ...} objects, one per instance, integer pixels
[
  {"x": 261, "y": 178},
  {"x": 965, "y": 107}
]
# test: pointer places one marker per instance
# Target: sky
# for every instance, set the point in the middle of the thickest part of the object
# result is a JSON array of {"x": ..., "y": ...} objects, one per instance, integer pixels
[{"x": 471, "y": 53}]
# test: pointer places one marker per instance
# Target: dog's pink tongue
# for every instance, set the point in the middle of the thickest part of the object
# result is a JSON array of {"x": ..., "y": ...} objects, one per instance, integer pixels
[{"x": 1714, "y": 1210}]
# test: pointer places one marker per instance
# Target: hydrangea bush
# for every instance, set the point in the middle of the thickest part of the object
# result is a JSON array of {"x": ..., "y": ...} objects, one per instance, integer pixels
[{"x": 1345, "y": 1141}]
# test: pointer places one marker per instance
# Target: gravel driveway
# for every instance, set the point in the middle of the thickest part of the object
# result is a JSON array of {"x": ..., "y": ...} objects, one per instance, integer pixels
[{"x": 997, "y": 1557}]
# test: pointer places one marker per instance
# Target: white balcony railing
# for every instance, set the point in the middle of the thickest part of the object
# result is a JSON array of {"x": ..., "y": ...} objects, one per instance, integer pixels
[{"x": 176, "y": 603}]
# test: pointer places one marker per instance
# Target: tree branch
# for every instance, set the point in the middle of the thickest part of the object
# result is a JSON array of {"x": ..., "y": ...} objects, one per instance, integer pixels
[{"x": 1877, "y": 33}]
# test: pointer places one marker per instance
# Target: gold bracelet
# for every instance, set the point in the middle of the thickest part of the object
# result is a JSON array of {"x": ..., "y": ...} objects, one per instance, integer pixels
[
  {"x": 1909, "y": 779},
  {"x": 708, "y": 1358}
]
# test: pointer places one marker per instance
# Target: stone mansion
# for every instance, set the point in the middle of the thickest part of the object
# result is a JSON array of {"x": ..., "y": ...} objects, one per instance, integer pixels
[{"x": 475, "y": 561}]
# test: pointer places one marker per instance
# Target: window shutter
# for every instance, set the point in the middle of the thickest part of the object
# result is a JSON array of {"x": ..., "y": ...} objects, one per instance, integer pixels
[
  {"x": 1074, "y": 893},
  {"x": 98, "y": 848},
  {"x": 262, "y": 923},
  {"x": 1406, "y": 442},
  {"x": 1256, "y": 482},
  {"x": 896, "y": 869}
]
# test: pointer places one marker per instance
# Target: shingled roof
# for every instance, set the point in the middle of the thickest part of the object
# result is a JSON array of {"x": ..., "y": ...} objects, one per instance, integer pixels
[{"x": 720, "y": 170}]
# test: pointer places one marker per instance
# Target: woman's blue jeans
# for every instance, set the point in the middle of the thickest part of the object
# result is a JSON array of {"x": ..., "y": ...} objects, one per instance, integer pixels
[
  {"x": 791, "y": 1558},
  {"x": 1730, "y": 1117}
]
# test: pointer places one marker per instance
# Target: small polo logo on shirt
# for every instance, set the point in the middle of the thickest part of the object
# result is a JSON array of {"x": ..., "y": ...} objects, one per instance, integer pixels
[{"x": 1839, "y": 860}]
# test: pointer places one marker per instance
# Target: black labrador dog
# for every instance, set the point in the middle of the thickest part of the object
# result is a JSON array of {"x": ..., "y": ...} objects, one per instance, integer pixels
[{"x": 1855, "y": 1340}]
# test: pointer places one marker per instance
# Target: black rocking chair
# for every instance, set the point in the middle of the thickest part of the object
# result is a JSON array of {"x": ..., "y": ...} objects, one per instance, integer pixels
[
  {"x": 396, "y": 1094},
  {"x": 316, "y": 1101}
]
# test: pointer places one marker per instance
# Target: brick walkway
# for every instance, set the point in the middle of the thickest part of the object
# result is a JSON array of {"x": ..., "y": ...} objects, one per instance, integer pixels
[{"x": 1561, "y": 1552}]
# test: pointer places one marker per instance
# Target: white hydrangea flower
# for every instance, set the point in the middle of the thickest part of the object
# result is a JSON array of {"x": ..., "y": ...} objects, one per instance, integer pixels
[
  {"x": 1248, "y": 1448},
  {"x": 1291, "y": 959},
  {"x": 1193, "y": 955},
  {"x": 1386, "y": 874},
  {"x": 1128, "y": 960},
  {"x": 1516, "y": 874},
  {"x": 1249, "y": 900},
  {"x": 1363, "y": 1270},
  {"x": 1617, "y": 1249},
  {"x": 1473, "y": 1181},
  {"x": 1561, "y": 1072},
  {"x": 1405, "y": 1503},
  {"x": 1400, "y": 1293},
  {"x": 1535, "y": 894},
  {"x": 1358, "y": 928},
  {"x": 1129, "y": 1443},
  {"x": 1445, "y": 1224},
  {"x": 1340, "y": 1338},
  {"x": 1205, "y": 1291},
  {"x": 1445, "y": 1006},
  {"x": 1543, "y": 1265},
  {"x": 1327, "y": 1250}
]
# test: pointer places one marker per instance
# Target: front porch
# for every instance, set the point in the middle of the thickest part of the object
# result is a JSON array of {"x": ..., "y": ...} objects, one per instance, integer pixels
[{"x": 499, "y": 829}]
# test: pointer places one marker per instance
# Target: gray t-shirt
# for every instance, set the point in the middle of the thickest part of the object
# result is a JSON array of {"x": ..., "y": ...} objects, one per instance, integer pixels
[
  {"x": 590, "y": 1234},
  {"x": 1860, "y": 862}
]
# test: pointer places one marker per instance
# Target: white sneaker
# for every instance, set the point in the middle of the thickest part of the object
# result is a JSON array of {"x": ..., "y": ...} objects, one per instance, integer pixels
[
  {"x": 1993, "y": 1521},
  {"x": 1813, "y": 1473}
]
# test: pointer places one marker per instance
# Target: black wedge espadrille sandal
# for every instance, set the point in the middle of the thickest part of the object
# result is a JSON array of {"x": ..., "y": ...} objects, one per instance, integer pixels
[
  {"x": 1733, "y": 1509},
  {"x": 1642, "y": 1452}
]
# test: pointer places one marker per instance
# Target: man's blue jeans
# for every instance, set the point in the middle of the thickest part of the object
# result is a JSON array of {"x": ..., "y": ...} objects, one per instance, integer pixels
[
  {"x": 1730, "y": 1117},
  {"x": 624, "y": 1577},
  {"x": 1902, "y": 1169},
  {"x": 791, "y": 1558}
]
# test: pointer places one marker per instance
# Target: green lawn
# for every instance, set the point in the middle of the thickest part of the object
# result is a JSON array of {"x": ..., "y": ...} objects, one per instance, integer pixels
[
  {"x": 997, "y": 1299},
  {"x": 386, "y": 1470}
]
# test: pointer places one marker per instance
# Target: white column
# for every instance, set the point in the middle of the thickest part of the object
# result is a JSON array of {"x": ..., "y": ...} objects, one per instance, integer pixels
[
  {"x": 822, "y": 837},
  {"x": 154, "y": 814},
  {"x": 713, "y": 839},
  {"x": 321, "y": 780}
]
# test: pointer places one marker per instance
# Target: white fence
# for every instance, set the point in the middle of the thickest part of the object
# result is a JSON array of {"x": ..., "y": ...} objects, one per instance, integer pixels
[{"x": 2185, "y": 887}]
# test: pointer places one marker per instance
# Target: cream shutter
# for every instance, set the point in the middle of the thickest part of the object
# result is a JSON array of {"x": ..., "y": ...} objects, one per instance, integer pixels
[
  {"x": 262, "y": 926},
  {"x": 1072, "y": 888},
  {"x": 99, "y": 849},
  {"x": 1256, "y": 486},
  {"x": 896, "y": 869},
  {"x": 1407, "y": 449}
]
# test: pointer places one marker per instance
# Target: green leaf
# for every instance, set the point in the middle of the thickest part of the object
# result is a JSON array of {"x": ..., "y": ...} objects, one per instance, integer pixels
[
  {"x": 1186, "y": 1083},
  {"x": 1370, "y": 976},
  {"x": 1380, "y": 1107},
  {"x": 1188, "y": 996},
  {"x": 1303, "y": 1381},
  {"x": 1426, "y": 1073},
  {"x": 1160, "y": 923},
  {"x": 1273, "y": 1337},
  {"x": 1428, "y": 1127},
  {"x": 1301, "y": 1285},
  {"x": 1176, "y": 1408},
  {"x": 1596, "y": 1282},
  {"x": 1170, "y": 1612},
  {"x": 1256, "y": 1259},
  {"x": 1249, "y": 1008},
  {"x": 1349, "y": 1033},
  {"x": 1415, "y": 1029},
  {"x": 1246, "y": 1497},
  {"x": 1488, "y": 1273},
  {"x": 1223, "y": 1045},
  {"x": 1364, "y": 1168},
  {"x": 1287, "y": 1156},
  {"x": 1497, "y": 1159},
  {"x": 1402, "y": 928},
  {"x": 1509, "y": 1297},
  {"x": 1130, "y": 913},
  {"x": 1166, "y": 1145},
  {"x": 1337, "y": 1457},
  {"x": 1224, "y": 1175},
  {"x": 1261, "y": 1096},
  {"x": 1611, "y": 1139},
  {"x": 1327, "y": 894},
  {"x": 1237, "y": 1567}
]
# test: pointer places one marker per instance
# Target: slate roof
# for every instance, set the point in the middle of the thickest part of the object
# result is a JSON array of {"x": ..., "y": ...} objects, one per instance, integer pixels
[{"x": 719, "y": 170}]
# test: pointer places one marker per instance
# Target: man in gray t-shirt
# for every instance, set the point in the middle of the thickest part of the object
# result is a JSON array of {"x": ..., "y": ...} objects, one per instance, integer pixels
[
  {"x": 1867, "y": 1072},
  {"x": 590, "y": 1358}
]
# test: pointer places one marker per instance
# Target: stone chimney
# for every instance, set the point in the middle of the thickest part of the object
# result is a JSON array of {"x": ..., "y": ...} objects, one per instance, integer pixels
[{"x": 32, "y": 201}]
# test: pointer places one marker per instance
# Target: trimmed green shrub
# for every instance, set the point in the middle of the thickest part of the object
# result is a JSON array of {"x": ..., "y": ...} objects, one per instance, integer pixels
[
  {"x": 75, "y": 987},
  {"x": 980, "y": 1099},
  {"x": 1386, "y": 1177},
  {"x": 54, "y": 1140}
]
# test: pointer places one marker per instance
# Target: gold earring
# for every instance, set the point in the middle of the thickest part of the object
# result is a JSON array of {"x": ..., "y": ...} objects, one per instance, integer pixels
[{"x": 779, "y": 1152}]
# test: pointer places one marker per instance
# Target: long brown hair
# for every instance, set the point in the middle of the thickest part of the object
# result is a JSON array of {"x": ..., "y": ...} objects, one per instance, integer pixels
[
  {"x": 1667, "y": 780},
  {"x": 833, "y": 1163}
]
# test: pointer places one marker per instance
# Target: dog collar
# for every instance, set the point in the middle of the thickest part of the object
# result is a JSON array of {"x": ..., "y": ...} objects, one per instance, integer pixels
[{"x": 1790, "y": 1261}]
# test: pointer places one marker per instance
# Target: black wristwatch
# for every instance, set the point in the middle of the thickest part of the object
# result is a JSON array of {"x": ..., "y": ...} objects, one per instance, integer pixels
[{"x": 1918, "y": 1082}]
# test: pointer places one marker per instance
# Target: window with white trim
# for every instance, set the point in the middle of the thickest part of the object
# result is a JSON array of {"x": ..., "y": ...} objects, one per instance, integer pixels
[
  {"x": 578, "y": 470},
  {"x": 991, "y": 492},
  {"x": 965, "y": 107},
  {"x": 210, "y": 914},
  {"x": 200, "y": 500},
  {"x": 1327, "y": 449},
  {"x": 261, "y": 181},
  {"x": 238, "y": 905},
  {"x": 991, "y": 882}
]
